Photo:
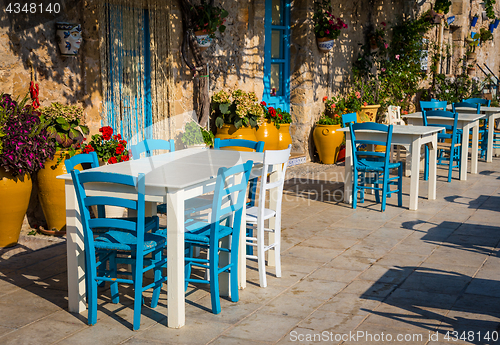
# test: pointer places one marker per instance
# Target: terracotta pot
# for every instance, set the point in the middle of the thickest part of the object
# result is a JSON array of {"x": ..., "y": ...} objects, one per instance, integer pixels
[
  {"x": 230, "y": 132},
  {"x": 268, "y": 133},
  {"x": 368, "y": 113},
  {"x": 328, "y": 140},
  {"x": 204, "y": 41},
  {"x": 15, "y": 196},
  {"x": 324, "y": 43},
  {"x": 284, "y": 138},
  {"x": 51, "y": 192}
]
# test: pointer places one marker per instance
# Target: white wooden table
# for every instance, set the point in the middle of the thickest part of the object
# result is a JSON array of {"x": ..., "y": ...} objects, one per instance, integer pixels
[
  {"x": 465, "y": 122},
  {"x": 490, "y": 113},
  {"x": 412, "y": 136},
  {"x": 172, "y": 178}
]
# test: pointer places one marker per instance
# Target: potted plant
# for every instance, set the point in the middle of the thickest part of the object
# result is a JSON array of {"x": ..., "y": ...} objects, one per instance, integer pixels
[
  {"x": 193, "y": 135},
  {"x": 24, "y": 147},
  {"x": 267, "y": 131},
  {"x": 207, "y": 19},
  {"x": 110, "y": 149},
  {"x": 326, "y": 26},
  {"x": 236, "y": 114},
  {"x": 485, "y": 35},
  {"x": 283, "y": 124},
  {"x": 64, "y": 126},
  {"x": 327, "y": 138},
  {"x": 441, "y": 7},
  {"x": 474, "y": 20}
]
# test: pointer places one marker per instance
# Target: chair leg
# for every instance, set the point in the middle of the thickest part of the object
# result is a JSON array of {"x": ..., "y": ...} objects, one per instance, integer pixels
[
  {"x": 187, "y": 266},
  {"x": 261, "y": 255},
  {"x": 277, "y": 248},
  {"x": 214, "y": 276},
  {"x": 376, "y": 185},
  {"x": 113, "y": 286},
  {"x": 354, "y": 189},
  {"x": 138, "y": 273},
  {"x": 400, "y": 186},
  {"x": 384, "y": 189},
  {"x": 233, "y": 276},
  {"x": 426, "y": 164},
  {"x": 157, "y": 257}
]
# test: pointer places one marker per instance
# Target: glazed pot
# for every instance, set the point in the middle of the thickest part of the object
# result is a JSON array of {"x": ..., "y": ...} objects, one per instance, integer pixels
[
  {"x": 203, "y": 39},
  {"x": 368, "y": 113},
  {"x": 15, "y": 196},
  {"x": 325, "y": 44},
  {"x": 230, "y": 132},
  {"x": 284, "y": 138},
  {"x": 268, "y": 133},
  {"x": 328, "y": 140},
  {"x": 69, "y": 38}
]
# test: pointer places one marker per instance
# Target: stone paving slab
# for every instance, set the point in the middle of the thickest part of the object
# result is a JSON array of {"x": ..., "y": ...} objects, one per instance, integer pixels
[{"x": 424, "y": 273}]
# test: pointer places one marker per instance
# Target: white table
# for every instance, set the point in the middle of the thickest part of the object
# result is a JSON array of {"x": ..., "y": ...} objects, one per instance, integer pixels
[
  {"x": 172, "y": 178},
  {"x": 465, "y": 121},
  {"x": 413, "y": 137},
  {"x": 491, "y": 113}
]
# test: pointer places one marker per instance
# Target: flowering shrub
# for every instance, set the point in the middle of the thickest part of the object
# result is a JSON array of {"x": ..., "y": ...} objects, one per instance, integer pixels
[
  {"x": 276, "y": 115},
  {"x": 343, "y": 105},
  {"x": 25, "y": 145},
  {"x": 283, "y": 117},
  {"x": 454, "y": 89},
  {"x": 237, "y": 108},
  {"x": 325, "y": 23},
  {"x": 108, "y": 147},
  {"x": 208, "y": 18}
]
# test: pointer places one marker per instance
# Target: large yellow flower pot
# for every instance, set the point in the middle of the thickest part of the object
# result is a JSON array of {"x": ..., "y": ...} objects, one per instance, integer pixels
[
  {"x": 51, "y": 192},
  {"x": 268, "y": 133},
  {"x": 284, "y": 138},
  {"x": 14, "y": 197},
  {"x": 327, "y": 140},
  {"x": 230, "y": 132},
  {"x": 368, "y": 113}
]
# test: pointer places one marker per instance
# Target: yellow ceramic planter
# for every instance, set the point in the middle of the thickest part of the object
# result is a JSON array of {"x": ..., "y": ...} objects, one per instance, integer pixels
[
  {"x": 368, "y": 113},
  {"x": 230, "y": 132},
  {"x": 268, "y": 133},
  {"x": 51, "y": 193},
  {"x": 284, "y": 138},
  {"x": 327, "y": 140},
  {"x": 15, "y": 195}
]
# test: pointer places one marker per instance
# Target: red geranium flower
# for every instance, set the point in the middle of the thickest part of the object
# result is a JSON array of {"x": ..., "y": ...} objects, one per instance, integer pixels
[
  {"x": 272, "y": 112},
  {"x": 263, "y": 103},
  {"x": 325, "y": 98},
  {"x": 119, "y": 149},
  {"x": 107, "y": 132},
  {"x": 125, "y": 158},
  {"x": 112, "y": 160}
]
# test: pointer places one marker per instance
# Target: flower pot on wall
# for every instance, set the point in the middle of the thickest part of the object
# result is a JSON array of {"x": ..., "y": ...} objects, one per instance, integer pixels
[
  {"x": 284, "y": 138},
  {"x": 471, "y": 70},
  {"x": 328, "y": 140},
  {"x": 325, "y": 44},
  {"x": 368, "y": 113},
  {"x": 268, "y": 133},
  {"x": 230, "y": 132},
  {"x": 69, "y": 38},
  {"x": 51, "y": 192},
  {"x": 204, "y": 41},
  {"x": 15, "y": 196}
]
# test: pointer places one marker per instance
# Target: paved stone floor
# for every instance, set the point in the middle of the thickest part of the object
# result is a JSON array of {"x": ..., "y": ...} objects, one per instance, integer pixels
[{"x": 349, "y": 276}]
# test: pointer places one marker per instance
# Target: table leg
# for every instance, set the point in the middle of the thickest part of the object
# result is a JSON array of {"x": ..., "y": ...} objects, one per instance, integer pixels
[
  {"x": 415, "y": 173},
  {"x": 75, "y": 252},
  {"x": 348, "y": 169},
  {"x": 465, "y": 152},
  {"x": 475, "y": 148},
  {"x": 432, "y": 168},
  {"x": 175, "y": 255},
  {"x": 491, "y": 133}
]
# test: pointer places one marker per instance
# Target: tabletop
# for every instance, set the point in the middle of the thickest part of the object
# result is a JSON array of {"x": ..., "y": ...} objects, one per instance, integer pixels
[
  {"x": 402, "y": 129},
  {"x": 461, "y": 116},
  {"x": 180, "y": 169},
  {"x": 483, "y": 109}
]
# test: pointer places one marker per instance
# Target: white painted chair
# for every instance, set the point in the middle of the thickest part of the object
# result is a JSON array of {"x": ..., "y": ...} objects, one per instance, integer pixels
[
  {"x": 257, "y": 215},
  {"x": 394, "y": 118}
]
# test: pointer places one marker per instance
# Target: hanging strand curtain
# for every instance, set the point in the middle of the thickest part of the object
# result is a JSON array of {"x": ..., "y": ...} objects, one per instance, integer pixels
[{"x": 135, "y": 38}]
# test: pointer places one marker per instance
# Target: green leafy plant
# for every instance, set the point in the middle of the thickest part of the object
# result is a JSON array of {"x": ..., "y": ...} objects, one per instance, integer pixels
[
  {"x": 442, "y": 6},
  {"x": 485, "y": 35},
  {"x": 488, "y": 7},
  {"x": 326, "y": 120},
  {"x": 208, "y": 137},
  {"x": 192, "y": 135},
  {"x": 455, "y": 89},
  {"x": 237, "y": 108},
  {"x": 64, "y": 126},
  {"x": 325, "y": 23},
  {"x": 335, "y": 107},
  {"x": 284, "y": 117},
  {"x": 208, "y": 18}
]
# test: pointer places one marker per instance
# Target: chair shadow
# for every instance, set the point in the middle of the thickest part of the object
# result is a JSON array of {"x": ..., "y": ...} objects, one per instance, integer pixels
[
  {"x": 482, "y": 202},
  {"x": 426, "y": 295}
]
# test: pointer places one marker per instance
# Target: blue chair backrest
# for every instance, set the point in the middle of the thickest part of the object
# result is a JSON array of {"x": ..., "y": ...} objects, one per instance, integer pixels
[
  {"x": 90, "y": 158},
  {"x": 475, "y": 106},
  {"x": 225, "y": 203},
  {"x": 348, "y": 118},
  {"x": 370, "y": 155},
  {"x": 433, "y": 105},
  {"x": 481, "y": 101},
  {"x": 85, "y": 202},
  {"x": 149, "y": 145},
  {"x": 442, "y": 113},
  {"x": 258, "y": 146}
]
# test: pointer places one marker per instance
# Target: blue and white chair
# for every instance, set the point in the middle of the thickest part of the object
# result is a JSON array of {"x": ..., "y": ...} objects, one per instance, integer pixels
[{"x": 147, "y": 147}]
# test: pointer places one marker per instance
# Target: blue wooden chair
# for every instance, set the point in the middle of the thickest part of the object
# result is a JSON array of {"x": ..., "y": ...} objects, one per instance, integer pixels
[
  {"x": 480, "y": 101},
  {"x": 125, "y": 235},
  {"x": 376, "y": 163},
  {"x": 433, "y": 105},
  {"x": 349, "y": 118},
  {"x": 148, "y": 145},
  {"x": 453, "y": 160},
  {"x": 483, "y": 128},
  {"x": 226, "y": 218}
]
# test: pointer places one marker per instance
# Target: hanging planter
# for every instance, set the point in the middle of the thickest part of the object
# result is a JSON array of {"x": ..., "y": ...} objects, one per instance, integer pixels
[
  {"x": 203, "y": 39},
  {"x": 69, "y": 38},
  {"x": 327, "y": 27},
  {"x": 495, "y": 24},
  {"x": 474, "y": 21},
  {"x": 325, "y": 44}
]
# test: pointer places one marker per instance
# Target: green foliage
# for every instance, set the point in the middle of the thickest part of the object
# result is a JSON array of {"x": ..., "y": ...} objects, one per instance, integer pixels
[
  {"x": 283, "y": 117},
  {"x": 208, "y": 137},
  {"x": 326, "y": 120},
  {"x": 488, "y": 7},
  {"x": 442, "y": 6},
  {"x": 192, "y": 134},
  {"x": 485, "y": 35},
  {"x": 208, "y": 18},
  {"x": 325, "y": 23},
  {"x": 455, "y": 89},
  {"x": 237, "y": 108}
]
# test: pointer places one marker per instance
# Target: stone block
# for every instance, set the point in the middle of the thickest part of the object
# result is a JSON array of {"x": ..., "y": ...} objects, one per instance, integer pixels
[{"x": 457, "y": 8}]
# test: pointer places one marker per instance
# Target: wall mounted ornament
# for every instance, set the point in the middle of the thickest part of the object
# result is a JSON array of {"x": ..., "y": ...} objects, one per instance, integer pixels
[{"x": 69, "y": 38}]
